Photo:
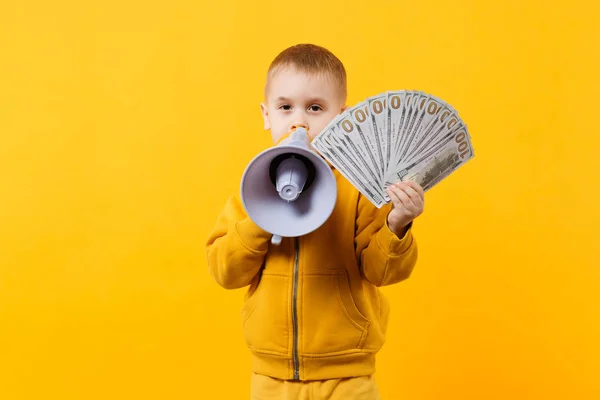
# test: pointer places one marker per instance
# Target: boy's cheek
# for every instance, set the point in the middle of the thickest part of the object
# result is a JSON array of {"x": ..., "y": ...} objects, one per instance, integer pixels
[{"x": 278, "y": 132}]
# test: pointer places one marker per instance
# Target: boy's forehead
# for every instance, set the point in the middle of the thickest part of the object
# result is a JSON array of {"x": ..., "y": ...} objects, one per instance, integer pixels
[{"x": 289, "y": 82}]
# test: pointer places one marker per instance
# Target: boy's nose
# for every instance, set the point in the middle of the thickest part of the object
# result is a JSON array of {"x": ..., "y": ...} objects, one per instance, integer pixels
[
  {"x": 299, "y": 120},
  {"x": 299, "y": 125}
]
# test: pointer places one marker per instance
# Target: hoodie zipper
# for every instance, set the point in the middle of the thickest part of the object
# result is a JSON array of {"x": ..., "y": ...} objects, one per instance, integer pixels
[{"x": 295, "y": 311}]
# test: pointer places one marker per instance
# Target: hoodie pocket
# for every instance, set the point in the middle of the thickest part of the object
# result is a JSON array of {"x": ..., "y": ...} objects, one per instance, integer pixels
[
  {"x": 331, "y": 321},
  {"x": 265, "y": 315}
]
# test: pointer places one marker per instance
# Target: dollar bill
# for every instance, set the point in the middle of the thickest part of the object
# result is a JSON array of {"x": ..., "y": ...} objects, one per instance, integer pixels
[
  {"x": 439, "y": 161},
  {"x": 360, "y": 143},
  {"x": 408, "y": 128},
  {"x": 395, "y": 115},
  {"x": 434, "y": 116},
  {"x": 405, "y": 117},
  {"x": 362, "y": 119},
  {"x": 378, "y": 114},
  {"x": 446, "y": 123}
]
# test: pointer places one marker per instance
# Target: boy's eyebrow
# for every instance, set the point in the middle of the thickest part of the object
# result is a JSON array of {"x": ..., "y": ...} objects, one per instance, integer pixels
[
  {"x": 317, "y": 100},
  {"x": 310, "y": 100}
]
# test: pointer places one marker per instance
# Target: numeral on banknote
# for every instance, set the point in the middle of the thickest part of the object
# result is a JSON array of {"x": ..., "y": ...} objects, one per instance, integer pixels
[
  {"x": 432, "y": 108},
  {"x": 463, "y": 145},
  {"x": 378, "y": 106},
  {"x": 360, "y": 116},
  {"x": 348, "y": 126}
]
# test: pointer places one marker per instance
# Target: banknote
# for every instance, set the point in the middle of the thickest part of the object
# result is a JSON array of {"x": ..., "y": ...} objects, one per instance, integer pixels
[
  {"x": 377, "y": 106},
  {"x": 357, "y": 139},
  {"x": 438, "y": 162}
]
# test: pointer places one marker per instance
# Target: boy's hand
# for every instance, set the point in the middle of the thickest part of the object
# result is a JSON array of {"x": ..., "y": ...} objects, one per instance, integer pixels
[{"x": 408, "y": 199}]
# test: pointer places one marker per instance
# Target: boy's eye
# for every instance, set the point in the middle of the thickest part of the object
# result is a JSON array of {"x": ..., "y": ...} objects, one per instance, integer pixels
[
  {"x": 315, "y": 107},
  {"x": 285, "y": 107}
]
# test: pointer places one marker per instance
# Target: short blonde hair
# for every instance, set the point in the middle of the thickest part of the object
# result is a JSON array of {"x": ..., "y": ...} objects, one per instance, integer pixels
[{"x": 310, "y": 59}]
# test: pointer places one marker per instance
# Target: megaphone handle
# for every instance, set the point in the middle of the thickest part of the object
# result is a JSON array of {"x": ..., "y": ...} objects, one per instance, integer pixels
[{"x": 276, "y": 240}]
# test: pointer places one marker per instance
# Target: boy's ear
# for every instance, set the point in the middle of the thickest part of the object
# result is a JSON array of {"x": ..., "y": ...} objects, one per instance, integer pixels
[{"x": 265, "y": 113}]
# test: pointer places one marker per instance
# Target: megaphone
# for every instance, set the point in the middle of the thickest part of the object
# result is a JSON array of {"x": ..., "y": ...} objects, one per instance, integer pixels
[{"x": 289, "y": 190}]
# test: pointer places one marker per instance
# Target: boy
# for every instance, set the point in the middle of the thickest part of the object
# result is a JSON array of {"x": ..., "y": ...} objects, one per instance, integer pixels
[{"x": 313, "y": 316}]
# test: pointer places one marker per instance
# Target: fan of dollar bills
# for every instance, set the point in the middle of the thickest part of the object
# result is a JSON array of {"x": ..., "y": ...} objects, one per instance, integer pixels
[{"x": 395, "y": 135}]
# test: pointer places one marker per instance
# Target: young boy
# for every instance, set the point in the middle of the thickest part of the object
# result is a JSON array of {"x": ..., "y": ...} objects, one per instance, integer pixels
[{"x": 314, "y": 318}]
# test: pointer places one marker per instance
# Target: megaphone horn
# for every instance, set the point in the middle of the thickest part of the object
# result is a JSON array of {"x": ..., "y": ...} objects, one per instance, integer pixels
[{"x": 289, "y": 190}]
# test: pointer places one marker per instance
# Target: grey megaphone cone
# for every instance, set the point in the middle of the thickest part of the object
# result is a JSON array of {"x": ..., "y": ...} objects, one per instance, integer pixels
[{"x": 289, "y": 190}]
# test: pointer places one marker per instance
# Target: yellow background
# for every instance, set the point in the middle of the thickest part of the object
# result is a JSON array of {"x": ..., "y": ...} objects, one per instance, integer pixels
[{"x": 115, "y": 122}]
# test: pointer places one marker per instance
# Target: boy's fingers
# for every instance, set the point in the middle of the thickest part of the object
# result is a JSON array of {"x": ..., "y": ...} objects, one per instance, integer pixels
[
  {"x": 394, "y": 197},
  {"x": 410, "y": 192},
  {"x": 404, "y": 198},
  {"x": 416, "y": 187},
  {"x": 413, "y": 194}
]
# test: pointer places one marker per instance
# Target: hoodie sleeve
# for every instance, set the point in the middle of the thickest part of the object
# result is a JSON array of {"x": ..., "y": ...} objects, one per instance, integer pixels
[
  {"x": 236, "y": 247},
  {"x": 384, "y": 258}
]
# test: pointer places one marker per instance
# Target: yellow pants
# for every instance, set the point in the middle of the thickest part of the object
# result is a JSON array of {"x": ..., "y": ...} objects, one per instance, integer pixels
[{"x": 360, "y": 388}]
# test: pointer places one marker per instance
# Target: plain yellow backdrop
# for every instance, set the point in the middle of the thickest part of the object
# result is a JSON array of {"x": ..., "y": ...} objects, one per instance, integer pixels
[{"x": 124, "y": 125}]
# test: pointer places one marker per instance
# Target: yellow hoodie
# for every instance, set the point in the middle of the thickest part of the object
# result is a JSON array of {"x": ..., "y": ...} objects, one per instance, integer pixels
[{"x": 313, "y": 309}]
